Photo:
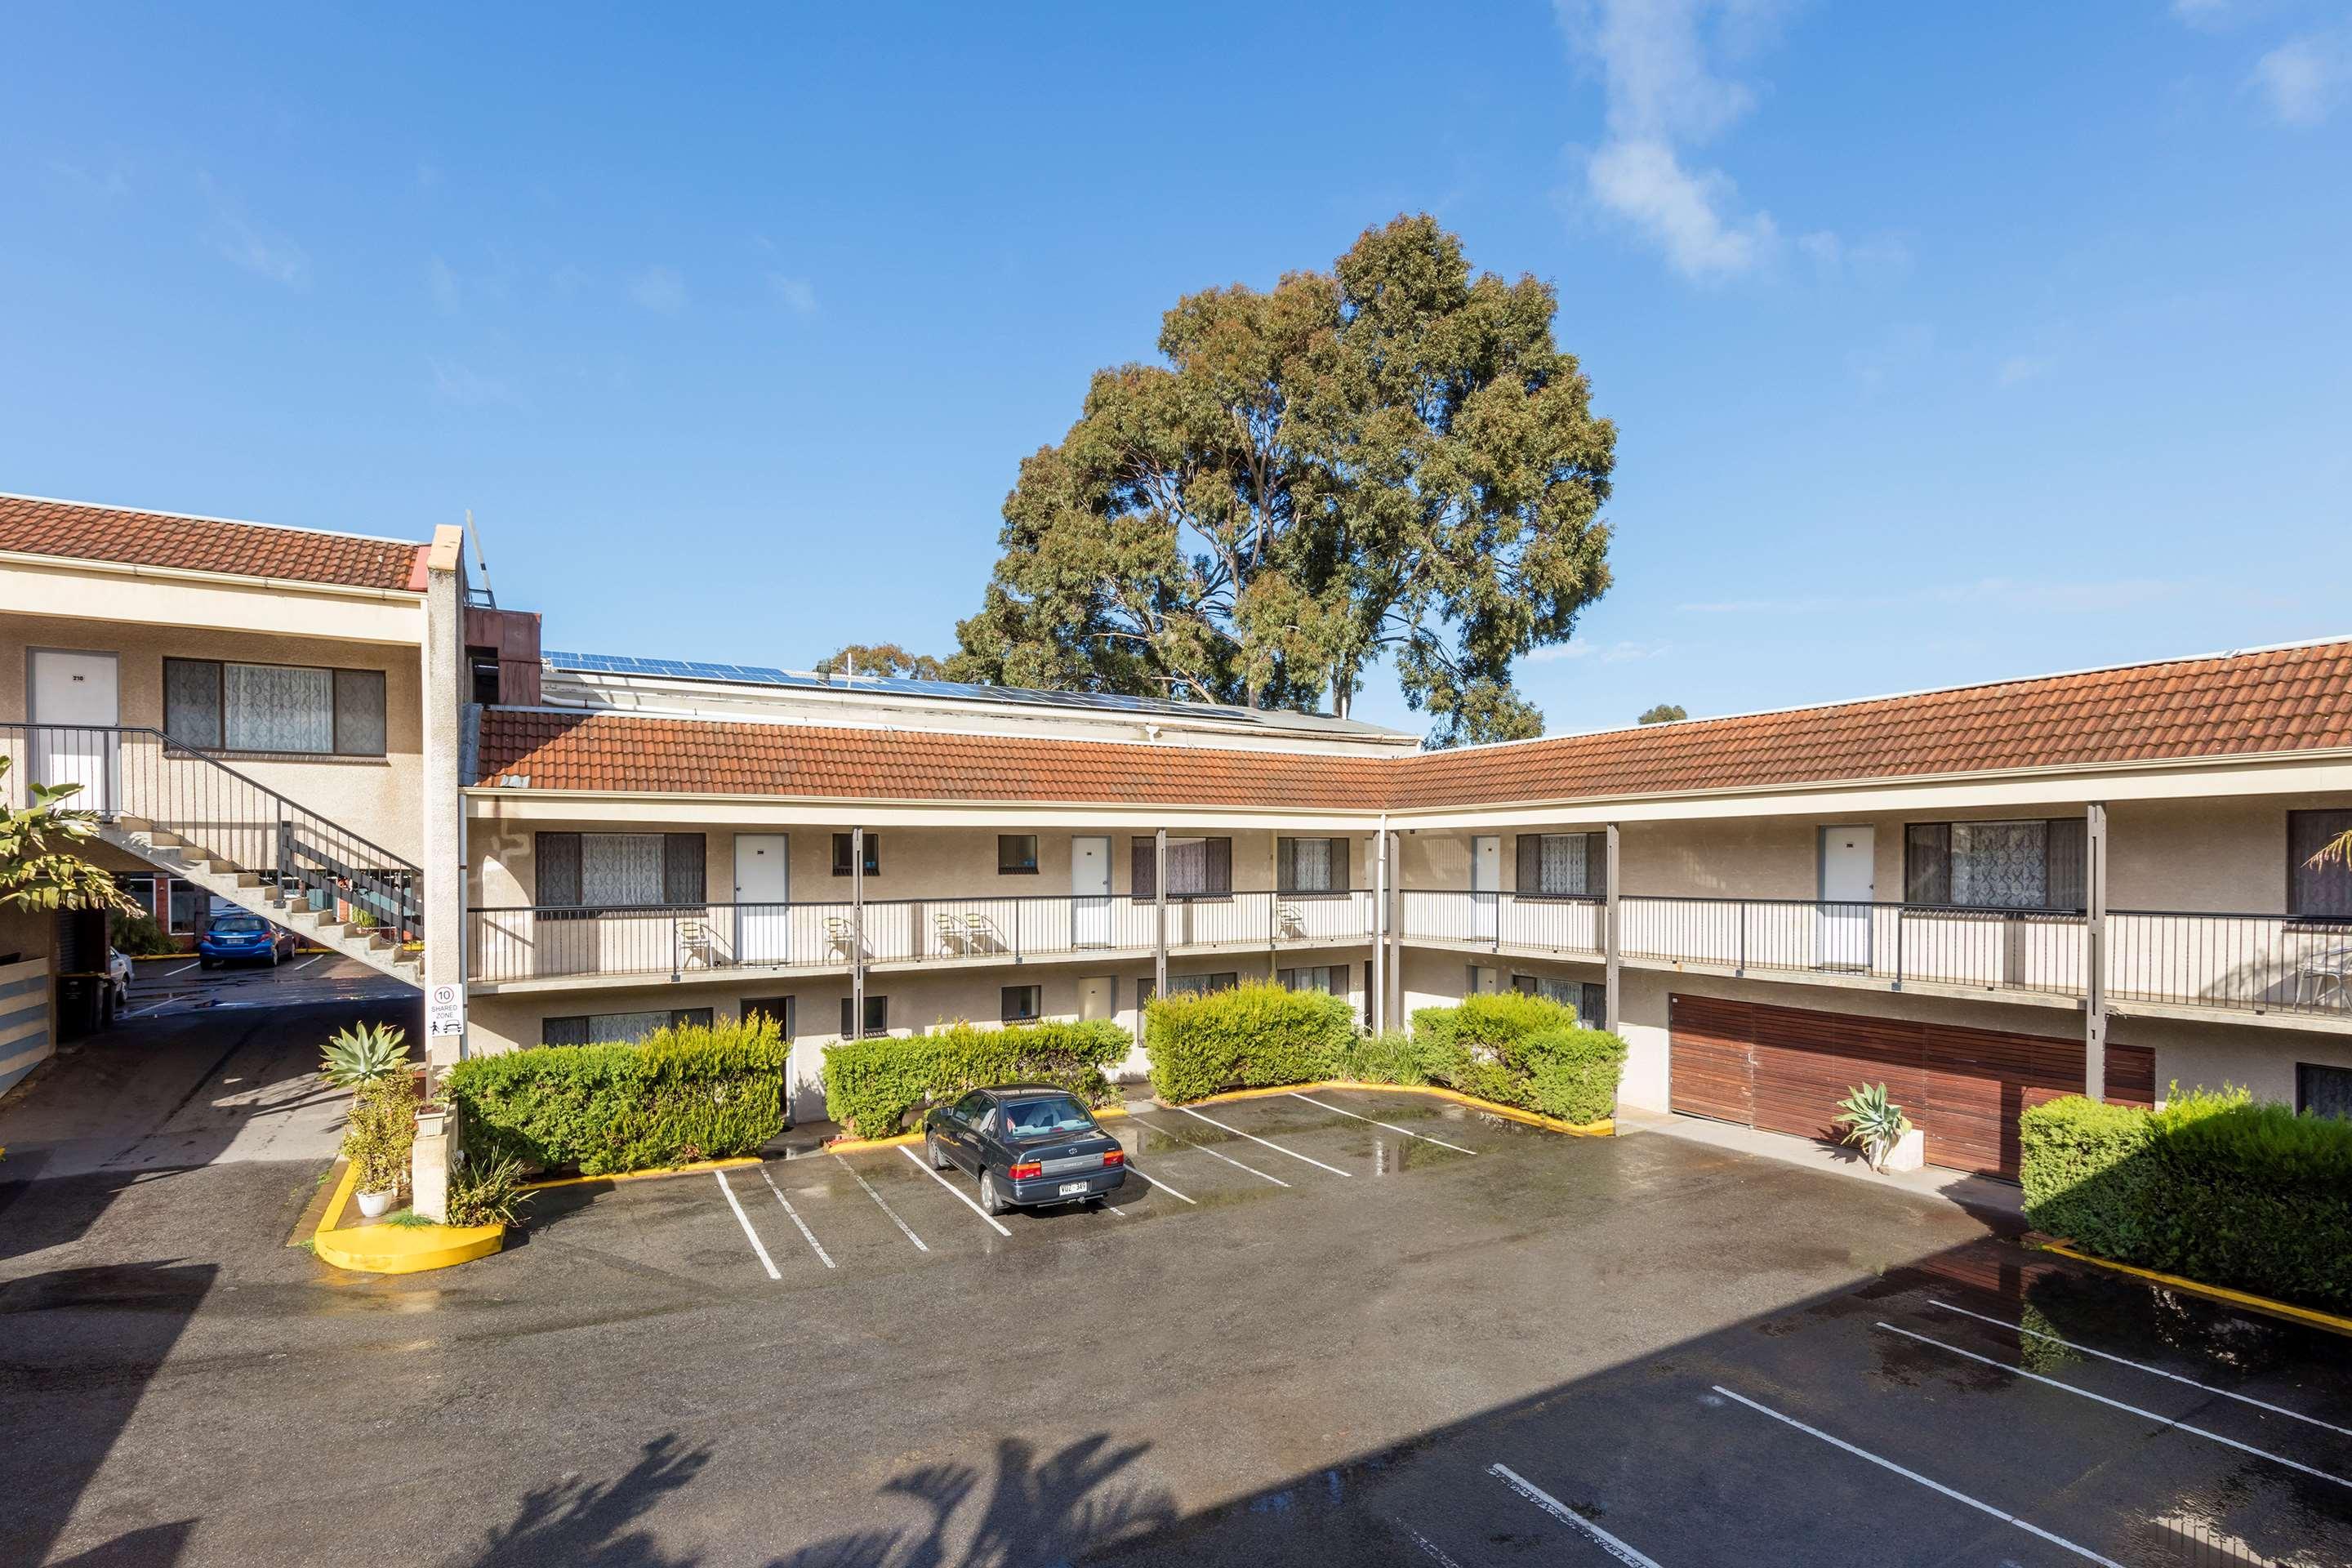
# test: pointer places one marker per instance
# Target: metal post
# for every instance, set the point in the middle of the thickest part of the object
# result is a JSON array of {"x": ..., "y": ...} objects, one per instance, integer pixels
[
  {"x": 2095, "y": 951},
  {"x": 1159, "y": 912},
  {"x": 1396, "y": 926},
  {"x": 1380, "y": 975},
  {"x": 1610, "y": 1008},
  {"x": 857, "y": 933}
]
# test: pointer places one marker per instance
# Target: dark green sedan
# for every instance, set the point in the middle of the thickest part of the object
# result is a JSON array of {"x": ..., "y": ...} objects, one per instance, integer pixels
[{"x": 1030, "y": 1145}]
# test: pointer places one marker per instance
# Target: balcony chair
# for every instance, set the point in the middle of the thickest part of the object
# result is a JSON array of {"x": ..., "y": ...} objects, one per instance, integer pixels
[
  {"x": 841, "y": 935},
  {"x": 697, "y": 949},
  {"x": 2324, "y": 977}
]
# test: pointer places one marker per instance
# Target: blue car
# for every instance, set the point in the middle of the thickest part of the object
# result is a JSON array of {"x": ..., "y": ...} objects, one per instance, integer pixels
[{"x": 243, "y": 939}]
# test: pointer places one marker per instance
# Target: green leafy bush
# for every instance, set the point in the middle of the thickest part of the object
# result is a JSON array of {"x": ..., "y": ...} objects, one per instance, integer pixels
[
  {"x": 380, "y": 1129},
  {"x": 135, "y": 933},
  {"x": 1393, "y": 1055},
  {"x": 487, "y": 1191},
  {"x": 1255, "y": 1034},
  {"x": 2214, "y": 1186},
  {"x": 687, "y": 1092},
  {"x": 871, "y": 1085},
  {"x": 1527, "y": 1051}
]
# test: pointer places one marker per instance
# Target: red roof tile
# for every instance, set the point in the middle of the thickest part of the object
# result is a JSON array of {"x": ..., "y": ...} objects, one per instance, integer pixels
[
  {"x": 84, "y": 532},
  {"x": 2285, "y": 699}
]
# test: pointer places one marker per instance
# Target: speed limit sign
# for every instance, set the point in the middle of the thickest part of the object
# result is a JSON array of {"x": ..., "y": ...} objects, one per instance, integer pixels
[{"x": 445, "y": 1011}]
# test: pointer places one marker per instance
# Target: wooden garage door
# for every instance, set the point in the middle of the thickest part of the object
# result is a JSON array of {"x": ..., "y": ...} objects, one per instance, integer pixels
[{"x": 1784, "y": 1069}]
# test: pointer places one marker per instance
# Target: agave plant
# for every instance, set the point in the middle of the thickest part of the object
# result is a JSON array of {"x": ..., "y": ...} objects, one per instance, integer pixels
[
  {"x": 1873, "y": 1121},
  {"x": 364, "y": 1054}
]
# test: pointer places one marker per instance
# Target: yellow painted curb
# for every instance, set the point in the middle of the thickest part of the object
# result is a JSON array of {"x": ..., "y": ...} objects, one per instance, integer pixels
[
  {"x": 696, "y": 1169},
  {"x": 1605, "y": 1128},
  {"x": 397, "y": 1248},
  {"x": 2310, "y": 1317},
  {"x": 905, "y": 1140}
]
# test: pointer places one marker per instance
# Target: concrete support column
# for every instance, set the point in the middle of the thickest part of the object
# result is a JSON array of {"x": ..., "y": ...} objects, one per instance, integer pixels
[
  {"x": 857, "y": 933},
  {"x": 1612, "y": 931},
  {"x": 1159, "y": 912},
  {"x": 1377, "y": 984},
  {"x": 2095, "y": 951},
  {"x": 1395, "y": 917},
  {"x": 442, "y": 863}
]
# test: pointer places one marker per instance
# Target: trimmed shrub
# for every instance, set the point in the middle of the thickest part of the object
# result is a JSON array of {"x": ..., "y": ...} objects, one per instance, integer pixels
[
  {"x": 380, "y": 1131},
  {"x": 688, "y": 1092},
  {"x": 1527, "y": 1051},
  {"x": 1393, "y": 1055},
  {"x": 2214, "y": 1188},
  {"x": 1253, "y": 1034},
  {"x": 871, "y": 1085},
  {"x": 135, "y": 933}
]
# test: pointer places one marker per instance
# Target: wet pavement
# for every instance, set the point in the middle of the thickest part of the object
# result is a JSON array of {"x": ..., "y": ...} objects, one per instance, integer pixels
[{"x": 1413, "y": 1333}]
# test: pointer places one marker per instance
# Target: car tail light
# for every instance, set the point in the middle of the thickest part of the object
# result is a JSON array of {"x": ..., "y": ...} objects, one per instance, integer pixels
[
  {"x": 1116, "y": 1157},
  {"x": 1026, "y": 1169}
]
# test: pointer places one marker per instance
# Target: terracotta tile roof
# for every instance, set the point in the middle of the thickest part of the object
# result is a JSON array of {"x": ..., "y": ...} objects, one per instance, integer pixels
[
  {"x": 2278, "y": 699},
  {"x": 2285, "y": 699},
  {"x": 84, "y": 532},
  {"x": 620, "y": 751}
]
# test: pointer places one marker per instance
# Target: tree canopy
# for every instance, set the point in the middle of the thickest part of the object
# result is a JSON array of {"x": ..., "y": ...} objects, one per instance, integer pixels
[
  {"x": 1389, "y": 460},
  {"x": 881, "y": 658},
  {"x": 1664, "y": 713}
]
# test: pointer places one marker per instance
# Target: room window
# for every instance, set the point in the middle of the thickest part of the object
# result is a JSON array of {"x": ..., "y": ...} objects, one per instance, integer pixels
[
  {"x": 1589, "y": 1001},
  {"x": 1019, "y": 1005},
  {"x": 2032, "y": 864},
  {"x": 1197, "y": 868},
  {"x": 621, "y": 870},
  {"x": 1184, "y": 984},
  {"x": 2322, "y": 1091},
  {"x": 1563, "y": 865},
  {"x": 293, "y": 708},
  {"x": 1310, "y": 865},
  {"x": 188, "y": 903},
  {"x": 780, "y": 1010},
  {"x": 1016, "y": 854},
  {"x": 618, "y": 1028},
  {"x": 877, "y": 1015},
  {"x": 483, "y": 663},
  {"x": 1329, "y": 979},
  {"x": 842, "y": 854},
  {"x": 2316, "y": 892}
]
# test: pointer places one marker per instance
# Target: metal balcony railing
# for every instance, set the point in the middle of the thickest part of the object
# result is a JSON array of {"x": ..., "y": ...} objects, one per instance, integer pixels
[
  {"x": 143, "y": 780},
  {"x": 517, "y": 943}
]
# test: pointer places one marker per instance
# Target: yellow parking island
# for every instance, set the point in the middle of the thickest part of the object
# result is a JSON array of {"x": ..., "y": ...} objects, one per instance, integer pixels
[{"x": 396, "y": 1248}]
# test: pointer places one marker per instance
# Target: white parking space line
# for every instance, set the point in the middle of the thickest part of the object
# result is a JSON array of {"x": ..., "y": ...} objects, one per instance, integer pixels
[
  {"x": 1162, "y": 1186},
  {"x": 307, "y": 963},
  {"x": 1211, "y": 1154},
  {"x": 1405, "y": 1131},
  {"x": 1435, "y": 1553},
  {"x": 806, "y": 1233},
  {"x": 1569, "y": 1517},
  {"x": 182, "y": 970},
  {"x": 2120, "y": 1404},
  {"x": 2033, "y": 1530},
  {"x": 2143, "y": 1366},
  {"x": 744, "y": 1220},
  {"x": 1256, "y": 1139},
  {"x": 962, "y": 1197},
  {"x": 919, "y": 1244}
]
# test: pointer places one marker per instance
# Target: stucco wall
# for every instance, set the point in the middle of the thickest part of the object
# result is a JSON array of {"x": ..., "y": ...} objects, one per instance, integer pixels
[{"x": 375, "y": 797}]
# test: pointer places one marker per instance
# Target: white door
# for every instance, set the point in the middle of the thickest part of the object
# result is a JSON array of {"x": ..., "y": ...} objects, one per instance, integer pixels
[
  {"x": 763, "y": 891},
  {"x": 1485, "y": 884},
  {"x": 1090, "y": 894},
  {"x": 75, "y": 690},
  {"x": 1849, "y": 883},
  {"x": 1097, "y": 997}
]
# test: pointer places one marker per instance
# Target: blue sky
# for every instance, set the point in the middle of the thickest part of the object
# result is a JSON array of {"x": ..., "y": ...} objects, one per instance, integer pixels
[{"x": 1945, "y": 343}]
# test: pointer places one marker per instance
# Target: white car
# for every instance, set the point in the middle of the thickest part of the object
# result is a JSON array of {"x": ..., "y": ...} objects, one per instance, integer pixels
[{"x": 118, "y": 979}]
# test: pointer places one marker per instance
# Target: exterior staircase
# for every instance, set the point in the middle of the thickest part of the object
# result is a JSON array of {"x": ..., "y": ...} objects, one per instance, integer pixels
[{"x": 369, "y": 943}]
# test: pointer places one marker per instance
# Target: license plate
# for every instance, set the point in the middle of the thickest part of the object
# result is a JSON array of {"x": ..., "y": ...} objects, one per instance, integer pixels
[{"x": 1073, "y": 1189}]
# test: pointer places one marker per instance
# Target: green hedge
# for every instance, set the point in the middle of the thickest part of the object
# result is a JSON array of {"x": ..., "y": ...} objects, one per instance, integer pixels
[
  {"x": 1527, "y": 1051},
  {"x": 1202, "y": 1042},
  {"x": 2213, "y": 1186},
  {"x": 871, "y": 1085},
  {"x": 685, "y": 1093}
]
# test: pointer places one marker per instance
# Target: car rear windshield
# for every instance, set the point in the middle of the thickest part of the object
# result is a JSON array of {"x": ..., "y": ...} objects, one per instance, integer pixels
[
  {"x": 1033, "y": 1118},
  {"x": 241, "y": 924}
]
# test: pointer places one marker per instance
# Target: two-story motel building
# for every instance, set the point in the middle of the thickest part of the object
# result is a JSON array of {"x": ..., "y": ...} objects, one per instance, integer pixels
[{"x": 1979, "y": 896}]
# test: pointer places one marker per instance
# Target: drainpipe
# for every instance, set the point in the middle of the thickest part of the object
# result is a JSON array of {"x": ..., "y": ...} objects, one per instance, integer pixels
[
  {"x": 1380, "y": 975},
  {"x": 1612, "y": 921},
  {"x": 1159, "y": 912},
  {"x": 857, "y": 933},
  {"x": 2095, "y": 951}
]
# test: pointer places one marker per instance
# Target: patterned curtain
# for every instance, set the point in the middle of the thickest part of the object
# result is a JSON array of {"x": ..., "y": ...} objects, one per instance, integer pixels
[
  {"x": 624, "y": 1028},
  {"x": 278, "y": 707},
  {"x": 2000, "y": 865},
  {"x": 620, "y": 868},
  {"x": 1311, "y": 866},
  {"x": 1188, "y": 867},
  {"x": 1563, "y": 869}
]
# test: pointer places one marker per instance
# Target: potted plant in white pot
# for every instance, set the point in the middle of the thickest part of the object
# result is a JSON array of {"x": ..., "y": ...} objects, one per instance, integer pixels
[
  {"x": 1888, "y": 1140},
  {"x": 372, "y": 1061}
]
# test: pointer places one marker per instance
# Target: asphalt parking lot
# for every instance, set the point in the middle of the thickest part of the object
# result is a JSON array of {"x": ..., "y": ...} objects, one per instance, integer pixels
[{"x": 1378, "y": 1329}]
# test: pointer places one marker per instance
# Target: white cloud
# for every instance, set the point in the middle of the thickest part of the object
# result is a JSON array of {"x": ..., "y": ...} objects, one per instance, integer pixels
[
  {"x": 2200, "y": 12},
  {"x": 2018, "y": 368},
  {"x": 2304, "y": 80},
  {"x": 442, "y": 278},
  {"x": 469, "y": 389},
  {"x": 797, "y": 293},
  {"x": 1623, "y": 651},
  {"x": 1661, "y": 95},
  {"x": 661, "y": 289},
  {"x": 257, "y": 250}
]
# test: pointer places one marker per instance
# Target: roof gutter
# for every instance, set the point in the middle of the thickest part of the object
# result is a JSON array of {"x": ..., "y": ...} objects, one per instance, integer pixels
[{"x": 212, "y": 579}]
